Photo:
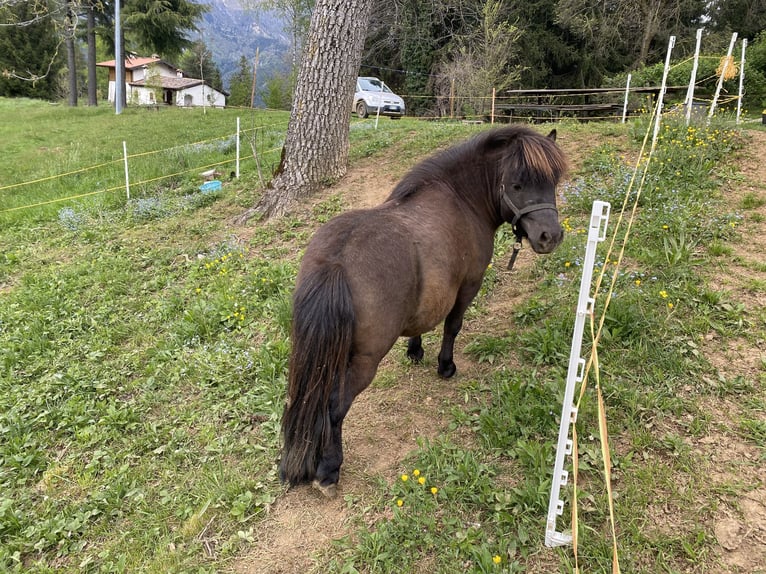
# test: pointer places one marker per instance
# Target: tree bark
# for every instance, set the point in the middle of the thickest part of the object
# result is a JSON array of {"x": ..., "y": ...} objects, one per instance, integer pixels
[
  {"x": 69, "y": 31},
  {"x": 316, "y": 147},
  {"x": 91, "y": 39}
]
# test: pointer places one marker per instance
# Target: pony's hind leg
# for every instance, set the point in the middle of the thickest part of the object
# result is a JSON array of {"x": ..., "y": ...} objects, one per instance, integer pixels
[
  {"x": 415, "y": 349},
  {"x": 359, "y": 376}
]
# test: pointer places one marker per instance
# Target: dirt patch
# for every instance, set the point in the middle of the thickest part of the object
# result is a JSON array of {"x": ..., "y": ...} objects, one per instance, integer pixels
[
  {"x": 740, "y": 525},
  {"x": 380, "y": 430}
]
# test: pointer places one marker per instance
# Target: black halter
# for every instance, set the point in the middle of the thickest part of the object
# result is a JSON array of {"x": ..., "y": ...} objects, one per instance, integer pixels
[{"x": 517, "y": 215}]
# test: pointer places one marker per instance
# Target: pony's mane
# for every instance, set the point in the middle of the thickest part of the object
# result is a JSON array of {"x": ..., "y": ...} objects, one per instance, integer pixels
[{"x": 516, "y": 149}]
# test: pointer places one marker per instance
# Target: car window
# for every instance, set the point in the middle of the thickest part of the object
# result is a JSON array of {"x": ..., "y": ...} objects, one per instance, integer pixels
[{"x": 373, "y": 85}]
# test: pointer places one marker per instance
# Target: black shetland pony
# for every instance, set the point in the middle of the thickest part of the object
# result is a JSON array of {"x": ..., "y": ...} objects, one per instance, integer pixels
[{"x": 370, "y": 276}]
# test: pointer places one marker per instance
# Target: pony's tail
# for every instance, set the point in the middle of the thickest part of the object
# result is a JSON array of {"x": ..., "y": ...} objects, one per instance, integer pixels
[{"x": 322, "y": 330}]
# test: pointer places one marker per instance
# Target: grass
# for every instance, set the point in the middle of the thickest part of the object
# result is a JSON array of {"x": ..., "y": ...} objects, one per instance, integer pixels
[
  {"x": 55, "y": 152},
  {"x": 143, "y": 354}
]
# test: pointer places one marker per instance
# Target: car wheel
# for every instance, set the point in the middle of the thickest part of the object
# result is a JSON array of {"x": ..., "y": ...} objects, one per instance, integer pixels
[{"x": 361, "y": 109}]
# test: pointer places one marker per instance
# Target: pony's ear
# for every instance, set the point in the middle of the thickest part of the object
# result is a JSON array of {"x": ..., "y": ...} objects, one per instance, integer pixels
[{"x": 552, "y": 135}]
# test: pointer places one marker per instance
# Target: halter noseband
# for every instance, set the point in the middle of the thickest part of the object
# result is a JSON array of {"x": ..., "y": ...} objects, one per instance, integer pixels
[{"x": 517, "y": 215}]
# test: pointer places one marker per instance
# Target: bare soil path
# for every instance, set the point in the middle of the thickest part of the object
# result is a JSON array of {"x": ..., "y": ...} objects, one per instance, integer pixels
[{"x": 740, "y": 527}]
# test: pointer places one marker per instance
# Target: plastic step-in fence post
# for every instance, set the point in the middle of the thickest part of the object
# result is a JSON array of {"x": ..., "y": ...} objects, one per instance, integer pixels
[{"x": 599, "y": 218}]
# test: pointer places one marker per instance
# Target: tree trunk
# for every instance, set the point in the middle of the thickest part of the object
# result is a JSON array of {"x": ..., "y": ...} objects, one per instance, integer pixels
[
  {"x": 69, "y": 30},
  {"x": 650, "y": 27},
  {"x": 316, "y": 148},
  {"x": 91, "y": 38}
]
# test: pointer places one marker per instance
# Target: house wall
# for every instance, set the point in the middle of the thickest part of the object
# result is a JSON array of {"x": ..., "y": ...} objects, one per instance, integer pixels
[
  {"x": 156, "y": 69},
  {"x": 211, "y": 97},
  {"x": 142, "y": 96}
]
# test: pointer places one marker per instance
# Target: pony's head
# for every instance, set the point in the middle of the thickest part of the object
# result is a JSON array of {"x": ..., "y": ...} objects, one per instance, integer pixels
[{"x": 531, "y": 167}]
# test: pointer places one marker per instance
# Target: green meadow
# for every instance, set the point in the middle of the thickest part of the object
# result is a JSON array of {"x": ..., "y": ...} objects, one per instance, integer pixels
[{"x": 144, "y": 346}]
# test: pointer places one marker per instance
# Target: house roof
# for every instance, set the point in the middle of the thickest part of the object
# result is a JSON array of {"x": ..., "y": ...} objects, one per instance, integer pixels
[
  {"x": 170, "y": 83},
  {"x": 133, "y": 63}
]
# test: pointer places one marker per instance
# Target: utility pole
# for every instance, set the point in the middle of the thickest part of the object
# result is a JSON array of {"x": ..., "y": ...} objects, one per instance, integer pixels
[{"x": 119, "y": 61}]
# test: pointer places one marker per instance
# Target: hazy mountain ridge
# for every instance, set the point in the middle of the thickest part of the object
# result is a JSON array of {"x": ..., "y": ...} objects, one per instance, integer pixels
[{"x": 232, "y": 29}]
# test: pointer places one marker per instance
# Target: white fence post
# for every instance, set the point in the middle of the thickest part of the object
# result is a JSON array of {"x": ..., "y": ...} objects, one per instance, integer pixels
[
  {"x": 741, "y": 80},
  {"x": 599, "y": 217},
  {"x": 723, "y": 74},
  {"x": 627, "y": 93},
  {"x": 236, "y": 169},
  {"x": 661, "y": 95},
  {"x": 693, "y": 79},
  {"x": 127, "y": 179}
]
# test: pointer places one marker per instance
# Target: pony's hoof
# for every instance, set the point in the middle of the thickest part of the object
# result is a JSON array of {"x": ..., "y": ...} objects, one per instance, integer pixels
[
  {"x": 447, "y": 370},
  {"x": 330, "y": 491}
]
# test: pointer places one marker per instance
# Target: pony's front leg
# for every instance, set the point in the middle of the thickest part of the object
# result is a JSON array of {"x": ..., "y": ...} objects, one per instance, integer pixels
[
  {"x": 452, "y": 325},
  {"x": 358, "y": 377}
]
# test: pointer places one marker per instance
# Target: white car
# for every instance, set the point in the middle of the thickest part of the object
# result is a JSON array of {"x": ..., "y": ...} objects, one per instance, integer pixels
[{"x": 371, "y": 94}]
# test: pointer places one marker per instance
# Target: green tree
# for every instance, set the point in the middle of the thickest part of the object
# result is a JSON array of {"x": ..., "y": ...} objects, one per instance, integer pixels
[
  {"x": 277, "y": 92},
  {"x": 746, "y": 17},
  {"x": 29, "y": 51},
  {"x": 297, "y": 16},
  {"x": 414, "y": 37},
  {"x": 160, "y": 26},
  {"x": 484, "y": 59},
  {"x": 613, "y": 36},
  {"x": 197, "y": 62},
  {"x": 241, "y": 85},
  {"x": 755, "y": 72}
]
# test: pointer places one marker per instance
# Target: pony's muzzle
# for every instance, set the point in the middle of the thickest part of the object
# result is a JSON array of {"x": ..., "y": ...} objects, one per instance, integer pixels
[{"x": 546, "y": 240}]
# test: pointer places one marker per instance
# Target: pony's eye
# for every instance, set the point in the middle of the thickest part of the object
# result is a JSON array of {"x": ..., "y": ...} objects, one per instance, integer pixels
[{"x": 516, "y": 187}]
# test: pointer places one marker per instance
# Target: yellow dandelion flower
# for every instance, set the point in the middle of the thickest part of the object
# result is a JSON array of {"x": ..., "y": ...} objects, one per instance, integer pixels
[
  {"x": 422, "y": 480},
  {"x": 567, "y": 264},
  {"x": 416, "y": 472},
  {"x": 405, "y": 478},
  {"x": 497, "y": 559},
  {"x": 637, "y": 282},
  {"x": 400, "y": 503},
  {"x": 670, "y": 305},
  {"x": 434, "y": 490},
  {"x": 664, "y": 294}
]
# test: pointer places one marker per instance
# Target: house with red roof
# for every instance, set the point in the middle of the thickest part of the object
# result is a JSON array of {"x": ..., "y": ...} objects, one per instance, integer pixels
[{"x": 152, "y": 81}]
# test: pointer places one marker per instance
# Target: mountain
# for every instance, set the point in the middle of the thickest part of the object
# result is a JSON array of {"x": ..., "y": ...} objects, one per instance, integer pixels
[{"x": 232, "y": 29}]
